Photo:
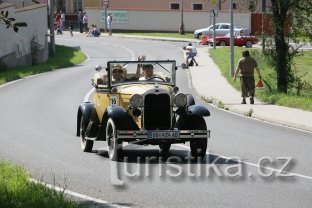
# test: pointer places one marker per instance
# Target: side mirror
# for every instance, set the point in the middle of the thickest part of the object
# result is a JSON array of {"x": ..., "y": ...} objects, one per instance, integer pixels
[{"x": 98, "y": 68}]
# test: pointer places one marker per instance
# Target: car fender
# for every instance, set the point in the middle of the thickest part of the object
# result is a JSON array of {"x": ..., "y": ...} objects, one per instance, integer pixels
[
  {"x": 193, "y": 112},
  {"x": 121, "y": 118},
  {"x": 84, "y": 109},
  {"x": 198, "y": 110}
]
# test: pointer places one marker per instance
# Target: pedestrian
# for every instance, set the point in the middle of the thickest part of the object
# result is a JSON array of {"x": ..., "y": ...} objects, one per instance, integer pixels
[
  {"x": 80, "y": 19},
  {"x": 246, "y": 67},
  {"x": 190, "y": 53},
  {"x": 63, "y": 19},
  {"x": 109, "y": 23},
  {"x": 85, "y": 22},
  {"x": 71, "y": 28}
]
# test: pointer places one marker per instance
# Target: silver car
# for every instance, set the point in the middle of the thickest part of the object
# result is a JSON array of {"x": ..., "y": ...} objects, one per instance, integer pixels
[{"x": 221, "y": 29}]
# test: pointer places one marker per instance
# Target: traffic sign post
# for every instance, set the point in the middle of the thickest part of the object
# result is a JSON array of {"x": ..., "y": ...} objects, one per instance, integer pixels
[
  {"x": 214, "y": 12},
  {"x": 105, "y": 4}
]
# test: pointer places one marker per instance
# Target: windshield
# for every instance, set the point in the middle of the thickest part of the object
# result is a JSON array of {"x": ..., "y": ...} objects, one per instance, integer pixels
[{"x": 127, "y": 72}]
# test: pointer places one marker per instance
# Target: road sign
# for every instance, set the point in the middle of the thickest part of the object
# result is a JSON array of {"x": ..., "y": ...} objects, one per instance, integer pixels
[
  {"x": 213, "y": 3},
  {"x": 105, "y": 2}
]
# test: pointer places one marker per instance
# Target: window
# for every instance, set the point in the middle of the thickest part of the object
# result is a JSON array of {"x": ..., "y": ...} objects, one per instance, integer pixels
[
  {"x": 77, "y": 6},
  {"x": 175, "y": 6},
  {"x": 197, "y": 6},
  {"x": 225, "y": 27}
]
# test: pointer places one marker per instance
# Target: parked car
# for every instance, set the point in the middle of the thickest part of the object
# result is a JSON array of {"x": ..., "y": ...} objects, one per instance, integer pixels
[
  {"x": 221, "y": 29},
  {"x": 141, "y": 112},
  {"x": 239, "y": 40}
]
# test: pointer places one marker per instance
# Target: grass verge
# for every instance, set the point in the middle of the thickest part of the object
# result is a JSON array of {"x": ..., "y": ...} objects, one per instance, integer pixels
[
  {"x": 269, "y": 94},
  {"x": 64, "y": 57},
  {"x": 16, "y": 191}
]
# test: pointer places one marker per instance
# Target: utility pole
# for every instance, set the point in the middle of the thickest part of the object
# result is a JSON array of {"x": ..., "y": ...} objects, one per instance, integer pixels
[
  {"x": 214, "y": 28},
  {"x": 52, "y": 37},
  {"x": 232, "y": 41},
  {"x": 262, "y": 26},
  {"x": 181, "y": 29}
]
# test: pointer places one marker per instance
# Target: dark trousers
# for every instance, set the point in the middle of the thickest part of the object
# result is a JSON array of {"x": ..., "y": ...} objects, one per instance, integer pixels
[
  {"x": 247, "y": 86},
  {"x": 81, "y": 26}
]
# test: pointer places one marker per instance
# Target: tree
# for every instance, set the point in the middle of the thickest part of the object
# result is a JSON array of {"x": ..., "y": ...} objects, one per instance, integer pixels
[
  {"x": 291, "y": 22},
  {"x": 8, "y": 21}
]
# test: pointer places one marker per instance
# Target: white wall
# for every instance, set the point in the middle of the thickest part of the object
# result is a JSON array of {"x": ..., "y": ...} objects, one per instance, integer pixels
[
  {"x": 169, "y": 21},
  {"x": 15, "y": 47}
]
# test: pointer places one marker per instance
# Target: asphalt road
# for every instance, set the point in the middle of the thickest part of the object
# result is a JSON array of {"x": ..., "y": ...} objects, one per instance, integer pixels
[{"x": 38, "y": 120}]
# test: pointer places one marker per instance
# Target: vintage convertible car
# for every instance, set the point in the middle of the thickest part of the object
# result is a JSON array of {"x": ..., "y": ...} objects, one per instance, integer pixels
[{"x": 142, "y": 112}]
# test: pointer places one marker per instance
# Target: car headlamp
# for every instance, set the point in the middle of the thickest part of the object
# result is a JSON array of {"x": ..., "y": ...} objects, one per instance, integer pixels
[
  {"x": 136, "y": 100},
  {"x": 180, "y": 100}
]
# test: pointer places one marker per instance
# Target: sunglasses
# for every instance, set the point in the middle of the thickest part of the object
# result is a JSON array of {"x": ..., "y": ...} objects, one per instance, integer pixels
[{"x": 117, "y": 71}]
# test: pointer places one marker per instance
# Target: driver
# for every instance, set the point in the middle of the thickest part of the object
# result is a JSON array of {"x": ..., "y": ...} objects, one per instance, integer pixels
[
  {"x": 118, "y": 73},
  {"x": 148, "y": 72}
]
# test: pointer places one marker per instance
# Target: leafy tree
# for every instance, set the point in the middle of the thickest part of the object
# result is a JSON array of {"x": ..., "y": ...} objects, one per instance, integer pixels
[
  {"x": 291, "y": 23},
  {"x": 9, "y": 21}
]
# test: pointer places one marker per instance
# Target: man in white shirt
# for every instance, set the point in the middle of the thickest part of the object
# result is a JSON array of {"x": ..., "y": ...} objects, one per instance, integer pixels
[
  {"x": 191, "y": 52},
  {"x": 148, "y": 72}
]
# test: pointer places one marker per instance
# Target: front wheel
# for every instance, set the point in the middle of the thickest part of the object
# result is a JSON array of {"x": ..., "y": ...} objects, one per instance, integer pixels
[
  {"x": 86, "y": 144},
  {"x": 222, "y": 43},
  {"x": 164, "y": 148},
  {"x": 248, "y": 44},
  {"x": 199, "y": 146},
  {"x": 114, "y": 147}
]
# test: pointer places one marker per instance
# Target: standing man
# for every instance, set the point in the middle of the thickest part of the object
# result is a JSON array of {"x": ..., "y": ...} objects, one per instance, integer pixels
[
  {"x": 80, "y": 19},
  {"x": 63, "y": 20},
  {"x": 85, "y": 21},
  {"x": 109, "y": 23},
  {"x": 246, "y": 67}
]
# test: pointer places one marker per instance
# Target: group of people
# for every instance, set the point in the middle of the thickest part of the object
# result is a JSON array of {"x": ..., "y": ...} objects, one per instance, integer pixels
[
  {"x": 94, "y": 31},
  {"x": 59, "y": 22}
]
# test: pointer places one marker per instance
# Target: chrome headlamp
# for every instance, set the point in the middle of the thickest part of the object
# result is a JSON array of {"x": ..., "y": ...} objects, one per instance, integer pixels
[
  {"x": 180, "y": 100},
  {"x": 136, "y": 100}
]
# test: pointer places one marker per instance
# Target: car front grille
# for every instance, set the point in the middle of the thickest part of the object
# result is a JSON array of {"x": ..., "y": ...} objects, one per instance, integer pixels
[{"x": 157, "y": 112}]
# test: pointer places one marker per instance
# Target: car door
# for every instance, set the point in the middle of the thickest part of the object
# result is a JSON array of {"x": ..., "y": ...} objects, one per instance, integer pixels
[
  {"x": 223, "y": 29},
  {"x": 210, "y": 31}
]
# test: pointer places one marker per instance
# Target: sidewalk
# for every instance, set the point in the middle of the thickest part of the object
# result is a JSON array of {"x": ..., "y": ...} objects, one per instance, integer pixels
[{"x": 209, "y": 83}]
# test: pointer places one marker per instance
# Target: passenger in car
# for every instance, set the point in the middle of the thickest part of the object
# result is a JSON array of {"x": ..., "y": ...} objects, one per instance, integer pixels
[{"x": 148, "y": 72}]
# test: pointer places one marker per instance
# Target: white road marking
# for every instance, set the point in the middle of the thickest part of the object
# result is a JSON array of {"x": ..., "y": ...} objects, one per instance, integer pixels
[
  {"x": 253, "y": 164},
  {"x": 9, "y": 83},
  {"x": 75, "y": 194},
  {"x": 86, "y": 98}
]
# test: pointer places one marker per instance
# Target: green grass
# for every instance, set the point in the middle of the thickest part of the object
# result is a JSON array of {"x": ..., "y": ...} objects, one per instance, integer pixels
[
  {"x": 16, "y": 191},
  {"x": 302, "y": 66},
  {"x": 160, "y": 34},
  {"x": 64, "y": 57}
]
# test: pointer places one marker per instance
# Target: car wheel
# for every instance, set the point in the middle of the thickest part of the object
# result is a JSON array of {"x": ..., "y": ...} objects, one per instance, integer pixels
[
  {"x": 248, "y": 44},
  {"x": 164, "y": 148},
  {"x": 199, "y": 35},
  {"x": 86, "y": 144},
  {"x": 114, "y": 147},
  {"x": 222, "y": 43},
  {"x": 198, "y": 146}
]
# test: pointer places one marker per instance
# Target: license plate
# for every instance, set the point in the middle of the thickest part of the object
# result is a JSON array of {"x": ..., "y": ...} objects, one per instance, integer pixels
[{"x": 163, "y": 134}]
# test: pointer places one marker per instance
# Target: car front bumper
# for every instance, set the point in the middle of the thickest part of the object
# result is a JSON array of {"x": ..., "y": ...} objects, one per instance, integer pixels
[{"x": 146, "y": 137}]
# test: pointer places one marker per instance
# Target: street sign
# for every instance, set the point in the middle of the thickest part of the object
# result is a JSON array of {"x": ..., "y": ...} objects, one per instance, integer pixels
[
  {"x": 105, "y": 2},
  {"x": 213, "y": 12},
  {"x": 214, "y": 3}
]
